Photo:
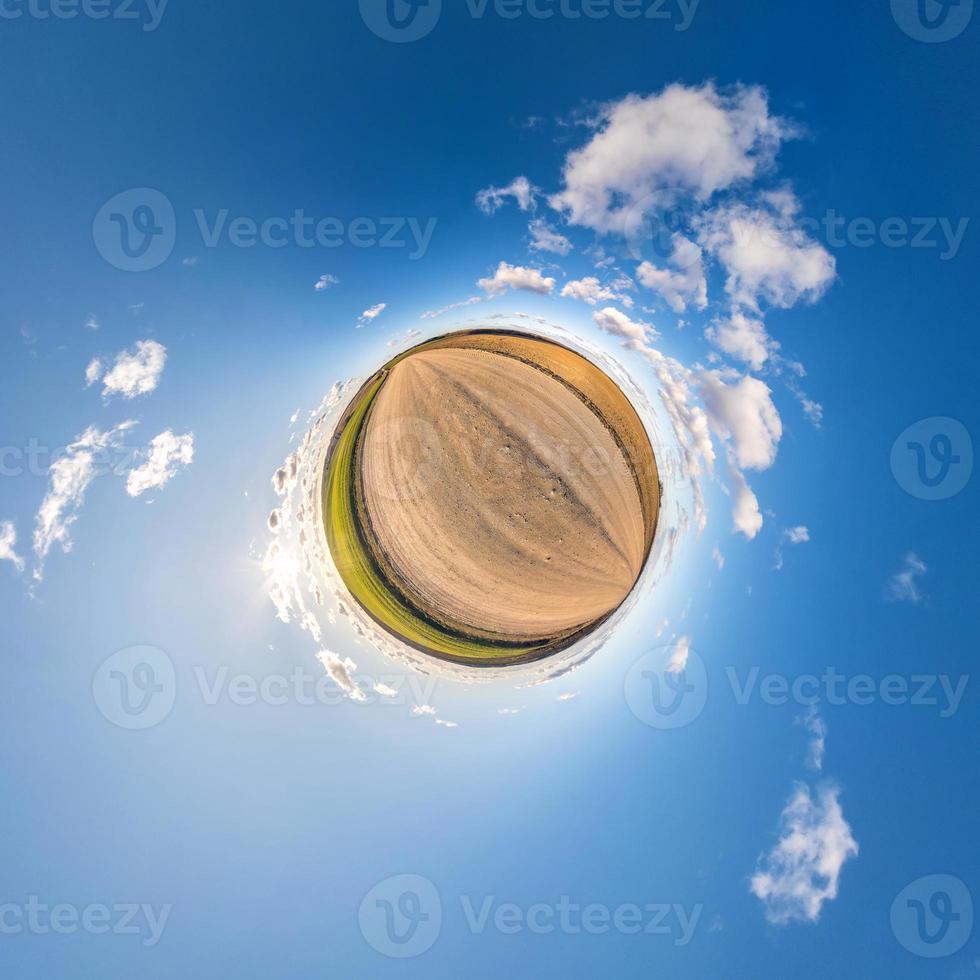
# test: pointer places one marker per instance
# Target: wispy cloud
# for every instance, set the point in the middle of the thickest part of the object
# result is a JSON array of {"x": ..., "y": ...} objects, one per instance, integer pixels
[
  {"x": 69, "y": 477},
  {"x": 167, "y": 453},
  {"x": 325, "y": 282},
  {"x": 341, "y": 670},
  {"x": 432, "y": 314},
  {"x": 817, "y": 728},
  {"x": 520, "y": 189},
  {"x": 679, "y": 656},
  {"x": 904, "y": 585},
  {"x": 544, "y": 238},
  {"x": 792, "y": 535},
  {"x": 8, "y": 540},
  {"x": 133, "y": 373},
  {"x": 371, "y": 314}
]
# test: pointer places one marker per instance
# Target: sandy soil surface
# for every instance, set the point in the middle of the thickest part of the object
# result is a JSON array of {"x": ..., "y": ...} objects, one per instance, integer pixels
[{"x": 499, "y": 501}]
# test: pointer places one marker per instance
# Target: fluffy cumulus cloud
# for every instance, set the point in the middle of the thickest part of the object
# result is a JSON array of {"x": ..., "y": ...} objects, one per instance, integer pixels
[
  {"x": 166, "y": 454},
  {"x": 766, "y": 257},
  {"x": 325, "y": 282},
  {"x": 371, "y": 314},
  {"x": 69, "y": 477},
  {"x": 516, "y": 277},
  {"x": 520, "y": 189},
  {"x": 8, "y": 541},
  {"x": 544, "y": 238},
  {"x": 618, "y": 324},
  {"x": 647, "y": 149},
  {"x": 743, "y": 338},
  {"x": 802, "y": 871},
  {"x": 590, "y": 290},
  {"x": 133, "y": 372},
  {"x": 743, "y": 416},
  {"x": 690, "y": 158},
  {"x": 904, "y": 585},
  {"x": 684, "y": 282}
]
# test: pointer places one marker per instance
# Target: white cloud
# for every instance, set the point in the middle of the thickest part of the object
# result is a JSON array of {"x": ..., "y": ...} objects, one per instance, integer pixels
[
  {"x": 695, "y": 140},
  {"x": 167, "y": 453},
  {"x": 743, "y": 414},
  {"x": 766, "y": 256},
  {"x": 341, "y": 671},
  {"x": 93, "y": 372},
  {"x": 744, "y": 418},
  {"x": 516, "y": 277},
  {"x": 432, "y": 314},
  {"x": 803, "y": 869},
  {"x": 8, "y": 539},
  {"x": 567, "y": 696},
  {"x": 718, "y": 558},
  {"x": 325, "y": 282},
  {"x": 817, "y": 728},
  {"x": 544, "y": 238},
  {"x": 92, "y": 322},
  {"x": 679, "y": 656},
  {"x": 70, "y": 476},
  {"x": 798, "y": 535},
  {"x": 743, "y": 337},
  {"x": 421, "y": 710},
  {"x": 685, "y": 282},
  {"x": 371, "y": 314},
  {"x": 410, "y": 335},
  {"x": 617, "y": 323},
  {"x": 794, "y": 535},
  {"x": 590, "y": 290},
  {"x": 491, "y": 199},
  {"x": 746, "y": 516},
  {"x": 904, "y": 585},
  {"x": 133, "y": 373}
]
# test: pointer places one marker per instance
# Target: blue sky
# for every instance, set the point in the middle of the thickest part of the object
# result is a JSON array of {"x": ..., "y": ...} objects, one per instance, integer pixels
[{"x": 719, "y": 199}]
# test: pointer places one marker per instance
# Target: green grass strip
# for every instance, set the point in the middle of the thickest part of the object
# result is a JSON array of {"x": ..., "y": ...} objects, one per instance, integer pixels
[{"x": 360, "y": 574}]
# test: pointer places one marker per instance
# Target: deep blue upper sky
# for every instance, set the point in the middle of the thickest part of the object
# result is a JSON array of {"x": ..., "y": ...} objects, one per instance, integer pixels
[{"x": 265, "y": 826}]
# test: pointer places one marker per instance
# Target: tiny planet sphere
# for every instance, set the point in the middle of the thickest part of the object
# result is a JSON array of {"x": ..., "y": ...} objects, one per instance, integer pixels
[{"x": 490, "y": 497}]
